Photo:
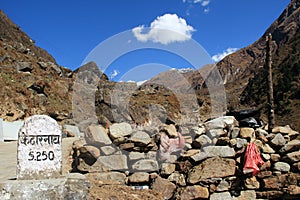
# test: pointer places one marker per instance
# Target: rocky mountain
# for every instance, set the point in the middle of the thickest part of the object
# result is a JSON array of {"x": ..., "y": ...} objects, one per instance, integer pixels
[
  {"x": 244, "y": 72},
  {"x": 31, "y": 82}
]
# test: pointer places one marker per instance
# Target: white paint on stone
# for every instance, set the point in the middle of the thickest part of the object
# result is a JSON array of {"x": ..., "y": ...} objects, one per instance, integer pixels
[{"x": 39, "y": 148}]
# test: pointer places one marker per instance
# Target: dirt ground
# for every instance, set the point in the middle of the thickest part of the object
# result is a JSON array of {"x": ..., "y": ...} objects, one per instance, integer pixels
[{"x": 104, "y": 191}]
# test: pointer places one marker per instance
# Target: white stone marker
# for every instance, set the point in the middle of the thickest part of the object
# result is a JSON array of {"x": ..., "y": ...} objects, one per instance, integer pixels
[{"x": 39, "y": 149}]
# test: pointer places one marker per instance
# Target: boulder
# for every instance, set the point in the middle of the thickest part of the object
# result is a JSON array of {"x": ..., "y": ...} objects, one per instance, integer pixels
[
  {"x": 140, "y": 138},
  {"x": 220, "y": 196},
  {"x": 164, "y": 186},
  {"x": 194, "y": 192},
  {"x": 247, "y": 133},
  {"x": 148, "y": 165},
  {"x": 215, "y": 167},
  {"x": 119, "y": 130},
  {"x": 278, "y": 140},
  {"x": 225, "y": 122},
  {"x": 139, "y": 177},
  {"x": 290, "y": 146},
  {"x": 294, "y": 156},
  {"x": 201, "y": 141},
  {"x": 220, "y": 151},
  {"x": 97, "y": 134},
  {"x": 282, "y": 166}
]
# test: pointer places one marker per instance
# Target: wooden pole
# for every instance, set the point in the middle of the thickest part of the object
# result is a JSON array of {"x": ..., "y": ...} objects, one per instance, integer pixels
[{"x": 271, "y": 112}]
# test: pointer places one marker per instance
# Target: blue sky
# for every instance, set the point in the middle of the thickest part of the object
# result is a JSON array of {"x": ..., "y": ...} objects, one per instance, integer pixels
[{"x": 71, "y": 30}]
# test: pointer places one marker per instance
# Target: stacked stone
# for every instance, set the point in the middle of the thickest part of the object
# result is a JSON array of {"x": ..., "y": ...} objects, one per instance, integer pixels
[{"x": 210, "y": 166}]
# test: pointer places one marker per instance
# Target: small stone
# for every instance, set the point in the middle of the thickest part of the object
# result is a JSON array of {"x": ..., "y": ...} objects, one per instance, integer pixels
[
  {"x": 167, "y": 168},
  {"x": 247, "y": 133},
  {"x": 247, "y": 195},
  {"x": 178, "y": 178},
  {"x": 190, "y": 153},
  {"x": 235, "y": 132},
  {"x": 223, "y": 186},
  {"x": 164, "y": 186},
  {"x": 216, "y": 133},
  {"x": 278, "y": 140},
  {"x": 233, "y": 142},
  {"x": 145, "y": 165},
  {"x": 267, "y": 149},
  {"x": 266, "y": 156},
  {"x": 127, "y": 146},
  {"x": 251, "y": 183},
  {"x": 139, "y": 177},
  {"x": 136, "y": 155},
  {"x": 264, "y": 174},
  {"x": 294, "y": 156},
  {"x": 141, "y": 138},
  {"x": 108, "y": 150},
  {"x": 290, "y": 146},
  {"x": 202, "y": 141},
  {"x": 89, "y": 152},
  {"x": 220, "y": 196},
  {"x": 240, "y": 143},
  {"x": 282, "y": 166},
  {"x": 275, "y": 157},
  {"x": 170, "y": 130},
  {"x": 118, "y": 130},
  {"x": 282, "y": 129},
  {"x": 195, "y": 192}
]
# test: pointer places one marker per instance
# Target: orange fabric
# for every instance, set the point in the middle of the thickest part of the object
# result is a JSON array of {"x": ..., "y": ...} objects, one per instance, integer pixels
[{"x": 252, "y": 159}]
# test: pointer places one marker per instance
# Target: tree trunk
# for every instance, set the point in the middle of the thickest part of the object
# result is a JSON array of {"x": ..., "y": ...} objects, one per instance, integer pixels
[{"x": 271, "y": 112}]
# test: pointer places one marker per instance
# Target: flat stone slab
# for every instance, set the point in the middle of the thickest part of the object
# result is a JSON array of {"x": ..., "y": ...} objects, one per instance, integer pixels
[
  {"x": 8, "y": 160},
  {"x": 11, "y": 130}
]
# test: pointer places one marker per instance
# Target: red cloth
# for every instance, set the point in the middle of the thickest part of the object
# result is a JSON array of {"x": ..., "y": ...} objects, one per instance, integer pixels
[{"x": 252, "y": 159}]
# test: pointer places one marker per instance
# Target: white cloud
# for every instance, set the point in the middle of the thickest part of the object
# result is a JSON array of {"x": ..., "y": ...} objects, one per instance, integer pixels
[
  {"x": 165, "y": 29},
  {"x": 220, "y": 56},
  {"x": 206, "y": 10},
  {"x": 203, "y": 2},
  {"x": 114, "y": 74}
]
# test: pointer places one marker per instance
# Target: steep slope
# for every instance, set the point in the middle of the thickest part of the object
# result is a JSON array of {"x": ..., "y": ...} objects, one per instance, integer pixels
[
  {"x": 244, "y": 73},
  {"x": 30, "y": 80}
]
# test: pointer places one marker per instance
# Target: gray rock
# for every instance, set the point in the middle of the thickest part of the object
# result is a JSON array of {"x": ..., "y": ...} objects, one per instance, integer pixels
[
  {"x": 114, "y": 162},
  {"x": 227, "y": 122},
  {"x": 148, "y": 165},
  {"x": 290, "y": 146},
  {"x": 220, "y": 196},
  {"x": 202, "y": 141},
  {"x": 109, "y": 150},
  {"x": 118, "y": 130},
  {"x": 24, "y": 67},
  {"x": 215, "y": 133},
  {"x": 199, "y": 156},
  {"x": 220, "y": 151},
  {"x": 240, "y": 143},
  {"x": 141, "y": 138},
  {"x": 75, "y": 186},
  {"x": 278, "y": 140},
  {"x": 223, "y": 186},
  {"x": 136, "y": 155},
  {"x": 139, "y": 177},
  {"x": 235, "y": 132},
  {"x": 97, "y": 133},
  {"x": 72, "y": 129},
  {"x": 282, "y": 166}
]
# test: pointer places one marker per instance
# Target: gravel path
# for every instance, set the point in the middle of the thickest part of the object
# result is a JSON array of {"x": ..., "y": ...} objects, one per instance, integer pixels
[{"x": 8, "y": 160}]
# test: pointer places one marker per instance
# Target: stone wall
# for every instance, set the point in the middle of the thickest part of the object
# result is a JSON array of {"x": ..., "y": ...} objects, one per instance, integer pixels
[{"x": 209, "y": 165}]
